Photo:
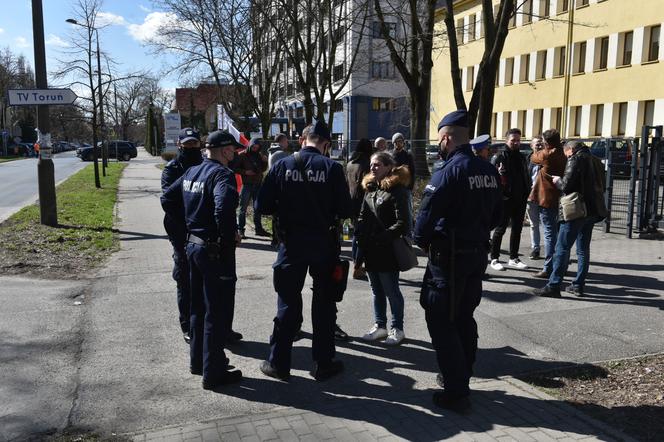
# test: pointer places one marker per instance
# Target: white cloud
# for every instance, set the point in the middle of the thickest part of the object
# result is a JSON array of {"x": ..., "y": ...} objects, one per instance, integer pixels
[
  {"x": 149, "y": 29},
  {"x": 54, "y": 40},
  {"x": 21, "y": 42},
  {"x": 144, "y": 8},
  {"x": 108, "y": 18}
]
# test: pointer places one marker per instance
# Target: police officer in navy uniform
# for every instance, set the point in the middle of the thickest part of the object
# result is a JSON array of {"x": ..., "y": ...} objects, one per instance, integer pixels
[
  {"x": 461, "y": 204},
  {"x": 308, "y": 213},
  {"x": 189, "y": 154},
  {"x": 206, "y": 198}
]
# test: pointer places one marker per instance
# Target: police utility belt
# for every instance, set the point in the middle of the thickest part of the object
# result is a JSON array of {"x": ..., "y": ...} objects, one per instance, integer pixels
[{"x": 442, "y": 247}]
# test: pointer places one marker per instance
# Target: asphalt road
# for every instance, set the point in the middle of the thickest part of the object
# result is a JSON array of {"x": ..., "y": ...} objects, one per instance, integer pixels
[{"x": 19, "y": 180}]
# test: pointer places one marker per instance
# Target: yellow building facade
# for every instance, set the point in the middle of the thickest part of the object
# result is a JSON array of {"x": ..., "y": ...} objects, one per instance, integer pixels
[{"x": 606, "y": 51}]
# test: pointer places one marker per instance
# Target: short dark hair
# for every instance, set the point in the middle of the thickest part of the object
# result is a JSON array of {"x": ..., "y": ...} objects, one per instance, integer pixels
[
  {"x": 513, "y": 131},
  {"x": 552, "y": 137},
  {"x": 364, "y": 146}
]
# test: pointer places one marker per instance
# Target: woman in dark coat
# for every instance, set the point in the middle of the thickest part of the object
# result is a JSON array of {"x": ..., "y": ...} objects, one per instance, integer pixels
[
  {"x": 384, "y": 217},
  {"x": 357, "y": 168}
]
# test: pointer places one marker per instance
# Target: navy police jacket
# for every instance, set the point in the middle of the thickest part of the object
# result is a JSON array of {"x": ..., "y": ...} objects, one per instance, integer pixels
[
  {"x": 304, "y": 227},
  {"x": 465, "y": 197},
  {"x": 205, "y": 199},
  {"x": 173, "y": 170}
]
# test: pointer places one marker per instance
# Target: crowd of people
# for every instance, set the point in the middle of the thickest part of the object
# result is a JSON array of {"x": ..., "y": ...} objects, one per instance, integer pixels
[{"x": 308, "y": 195}]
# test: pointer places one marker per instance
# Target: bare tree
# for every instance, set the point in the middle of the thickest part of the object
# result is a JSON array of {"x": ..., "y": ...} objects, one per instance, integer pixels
[
  {"x": 407, "y": 27},
  {"x": 495, "y": 33}
]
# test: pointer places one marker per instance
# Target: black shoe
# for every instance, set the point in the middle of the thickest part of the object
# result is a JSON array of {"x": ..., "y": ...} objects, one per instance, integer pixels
[
  {"x": 270, "y": 370},
  {"x": 262, "y": 232},
  {"x": 187, "y": 338},
  {"x": 225, "y": 378},
  {"x": 234, "y": 337},
  {"x": 326, "y": 371},
  {"x": 535, "y": 254},
  {"x": 447, "y": 401},
  {"x": 298, "y": 335},
  {"x": 242, "y": 234},
  {"x": 575, "y": 290},
  {"x": 547, "y": 292},
  {"x": 439, "y": 380},
  {"x": 198, "y": 371},
  {"x": 339, "y": 334}
]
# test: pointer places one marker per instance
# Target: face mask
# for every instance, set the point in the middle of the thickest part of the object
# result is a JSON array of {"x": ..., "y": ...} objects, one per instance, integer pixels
[{"x": 191, "y": 156}]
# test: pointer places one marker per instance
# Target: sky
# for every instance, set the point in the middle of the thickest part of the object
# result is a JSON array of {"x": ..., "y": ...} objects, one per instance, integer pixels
[{"x": 129, "y": 24}]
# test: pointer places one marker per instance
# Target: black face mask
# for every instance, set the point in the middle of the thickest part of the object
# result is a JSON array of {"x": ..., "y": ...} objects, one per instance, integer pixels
[{"x": 190, "y": 157}]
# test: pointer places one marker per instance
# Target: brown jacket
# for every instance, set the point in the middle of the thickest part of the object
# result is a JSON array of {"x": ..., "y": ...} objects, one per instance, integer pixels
[
  {"x": 552, "y": 162},
  {"x": 251, "y": 161}
]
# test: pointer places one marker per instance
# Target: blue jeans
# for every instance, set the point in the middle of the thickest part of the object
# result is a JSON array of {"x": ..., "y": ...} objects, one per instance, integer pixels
[
  {"x": 248, "y": 192},
  {"x": 580, "y": 232},
  {"x": 386, "y": 285},
  {"x": 549, "y": 221},
  {"x": 533, "y": 211}
]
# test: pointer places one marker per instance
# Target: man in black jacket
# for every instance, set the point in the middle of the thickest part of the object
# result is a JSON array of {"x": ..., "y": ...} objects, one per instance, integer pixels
[
  {"x": 189, "y": 154},
  {"x": 515, "y": 184}
]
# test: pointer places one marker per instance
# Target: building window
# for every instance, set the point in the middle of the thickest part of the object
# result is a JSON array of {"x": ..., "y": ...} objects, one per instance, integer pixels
[
  {"x": 470, "y": 77},
  {"x": 289, "y": 89},
  {"x": 459, "y": 31},
  {"x": 480, "y": 27},
  {"x": 524, "y": 68},
  {"x": 338, "y": 73},
  {"x": 556, "y": 117},
  {"x": 299, "y": 112},
  {"x": 521, "y": 121},
  {"x": 497, "y": 76},
  {"x": 382, "y": 104},
  {"x": 563, "y": 6},
  {"x": 653, "y": 43},
  {"x": 599, "y": 119},
  {"x": 538, "y": 123},
  {"x": 339, "y": 34},
  {"x": 509, "y": 71},
  {"x": 540, "y": 72},
  {"x": 622, "y": 118},
  {"x": 507, "y": 121},
  {"x": 382, "y": 69},
  {"x": 527, "y": 11},
  {"x": 545, "y": 8},
  {"x": 494, "y": 120},
  {"x": 602, "y": 54},
  {"x": 582, "y": 3},
  {"x": 471, "y": 27},
  {"x": 339, "y": 105},
  {"x": 648, "y": 112},
  {"x": 512, "y": 22},
  {"x": 577, "y": 113},
  {"x": 627, "y": 40},
  {"x": 559, "y": 61},
  {"x": 391, "y": 30},
  {"x": 580, "y": 57}
]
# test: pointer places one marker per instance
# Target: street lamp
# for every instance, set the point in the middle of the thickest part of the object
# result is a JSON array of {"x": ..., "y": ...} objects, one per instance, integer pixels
[{"x": 95, "y": 153}]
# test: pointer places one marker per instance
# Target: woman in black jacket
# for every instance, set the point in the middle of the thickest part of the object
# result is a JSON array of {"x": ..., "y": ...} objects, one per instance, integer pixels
[
  {"x": 579, "y": 177},
  {"x": 384, "y": 217},
  {"x": 357, "y": 168}
]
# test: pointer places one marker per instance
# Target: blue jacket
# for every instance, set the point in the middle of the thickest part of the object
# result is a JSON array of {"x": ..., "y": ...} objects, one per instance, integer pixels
[
  {"x": 173, "y": 170},
  {"x": 304, "y": 224},
  {"x": 205, "y": 199},
  {"x": 465, "y": 197}
]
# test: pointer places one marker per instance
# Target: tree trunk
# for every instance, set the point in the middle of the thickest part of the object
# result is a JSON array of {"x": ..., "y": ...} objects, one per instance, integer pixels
[{"x": 419, "y": 110}]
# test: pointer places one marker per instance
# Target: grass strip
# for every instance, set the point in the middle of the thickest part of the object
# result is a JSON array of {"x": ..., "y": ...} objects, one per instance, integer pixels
[
  {"x": 81, "y": 241},
  {"x": 8, "y": 159}
]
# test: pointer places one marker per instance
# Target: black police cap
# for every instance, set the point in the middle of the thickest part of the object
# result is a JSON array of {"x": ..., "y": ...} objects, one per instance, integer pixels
[
  {"x": 456, "y": 118},
  {"x": 221, "y": 138},
  {"x": 321, "y": 129}
]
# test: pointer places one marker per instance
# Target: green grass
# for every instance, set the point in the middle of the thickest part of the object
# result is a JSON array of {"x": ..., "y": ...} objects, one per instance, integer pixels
[
  {"x": 8, "y": 159},
  {"x": 83, "y": 237}
]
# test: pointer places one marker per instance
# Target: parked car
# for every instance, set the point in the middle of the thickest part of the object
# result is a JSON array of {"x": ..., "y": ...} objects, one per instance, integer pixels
[
  {"x": 433, "y": 154},
  {"x": 120, "y": 149},
  {"x": 621, "y": 154}
]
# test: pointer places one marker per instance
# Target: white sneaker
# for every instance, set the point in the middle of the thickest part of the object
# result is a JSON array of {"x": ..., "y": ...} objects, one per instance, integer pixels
[
  {"x": 517, "y": 264},
  {"x": 375, "y": 333},
  {"x": 395, "y": 337},
  {"x": 496, "y": 265}
]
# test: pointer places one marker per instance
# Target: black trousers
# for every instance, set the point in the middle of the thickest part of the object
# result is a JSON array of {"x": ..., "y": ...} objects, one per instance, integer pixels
[
  {"x": 514, "y": 210},
  {"x": 181, "y": 278}
]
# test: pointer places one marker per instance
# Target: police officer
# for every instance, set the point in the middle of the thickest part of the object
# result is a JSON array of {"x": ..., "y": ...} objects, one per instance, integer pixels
[
  {"x": 461, "y": 204},
  {"x": 308, "y": 212},
  {"x": 206, "y": 198},
  {"x": 189, "y": 154},
  {"x": 480, "y": 145}
]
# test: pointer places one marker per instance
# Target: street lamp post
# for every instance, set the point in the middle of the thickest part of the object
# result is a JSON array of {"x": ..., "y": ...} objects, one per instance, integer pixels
[{"x": 95, "y": 148}]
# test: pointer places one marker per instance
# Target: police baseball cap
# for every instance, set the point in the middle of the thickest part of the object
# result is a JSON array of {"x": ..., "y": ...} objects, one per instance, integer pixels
[
  {"x": 320, "y": 129},
  {"x": 480, "y": 142},
  {"x": 221, "y": 138},
  {"x": 188, "y": 134},
  {"x": 456, "y": 118}
]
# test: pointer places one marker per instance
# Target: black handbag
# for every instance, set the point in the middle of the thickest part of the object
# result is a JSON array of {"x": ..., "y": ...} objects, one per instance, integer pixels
[{"x": 339, "y": 275}]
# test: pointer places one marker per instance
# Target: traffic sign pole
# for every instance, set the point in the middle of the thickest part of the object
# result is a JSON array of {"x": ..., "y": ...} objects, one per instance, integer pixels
[{"x": 45, "y": 168}]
